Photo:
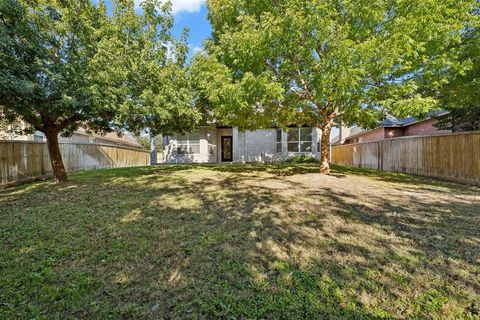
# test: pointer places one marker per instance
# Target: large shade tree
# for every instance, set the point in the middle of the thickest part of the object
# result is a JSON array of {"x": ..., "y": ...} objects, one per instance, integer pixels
[
  {"x": 45, "y": 48},
  {"x": 69, "y": 63},
  {"x": 143, "y": 70},
  {"x": 313, "y": 62}
]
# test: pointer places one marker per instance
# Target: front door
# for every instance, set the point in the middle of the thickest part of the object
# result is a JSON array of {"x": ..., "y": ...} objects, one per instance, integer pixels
[{"x": 227, "y": 150}]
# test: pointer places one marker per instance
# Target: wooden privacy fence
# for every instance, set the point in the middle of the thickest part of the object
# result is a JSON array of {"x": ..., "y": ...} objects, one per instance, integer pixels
[
  {"x": 21, "y": 160},
  {"x": 454, "y": 157}
]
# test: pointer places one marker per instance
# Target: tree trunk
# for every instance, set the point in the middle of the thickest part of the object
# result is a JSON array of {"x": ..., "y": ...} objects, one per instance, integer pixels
[
  {"x": 55, "y": 156},
  {"x": 325, "y": 148}
]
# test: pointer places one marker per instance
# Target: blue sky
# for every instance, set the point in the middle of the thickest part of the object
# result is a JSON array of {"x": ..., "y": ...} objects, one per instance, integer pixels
[
  {"x": 197, "y": 22},
  {"x": 187, "y": 13}
]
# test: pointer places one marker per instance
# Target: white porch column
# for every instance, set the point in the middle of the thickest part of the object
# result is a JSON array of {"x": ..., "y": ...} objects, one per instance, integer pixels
[
  {"x": 153, "y": 151},
  {"x": 316, "y": 136},
  {"x": 235, "y": 145},
  {"x": 284, "y": 144}
]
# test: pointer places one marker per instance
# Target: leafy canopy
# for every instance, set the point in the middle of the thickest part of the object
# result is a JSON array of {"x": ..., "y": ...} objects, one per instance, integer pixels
[
  {"x": 461, "y": 95},
  {"x": 308, "y": 62},
  {"x": 141, "y": 68},
  {"x": 45, "y": 50}
]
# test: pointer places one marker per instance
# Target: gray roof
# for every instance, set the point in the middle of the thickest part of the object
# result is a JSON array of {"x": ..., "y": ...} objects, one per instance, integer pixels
[{"x": 392, "y": 121}]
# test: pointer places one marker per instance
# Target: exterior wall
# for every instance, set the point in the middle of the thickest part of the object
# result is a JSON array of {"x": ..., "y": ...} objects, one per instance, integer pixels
[
  {"x": 394, "y": 132},
  {"x": 110, "y": 138},
  {"x": 372, "y": 135},
  {"x": 377, "y": 134},
  {"x": 37, "y": 137},
  {"x": 259, "y": 146},
  {"x": 77, "y": 137},
  {"x": 421, "y": 128},
  {"x": 208, "y": 141},
  {"x": 424, "y": 128}
]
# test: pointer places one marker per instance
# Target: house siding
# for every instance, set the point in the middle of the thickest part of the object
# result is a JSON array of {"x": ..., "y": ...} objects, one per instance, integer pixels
[
  {"x": 257, "y": 146},
  {"x": 372, "y": 135},
  {"x": 423, "y": 128},
  {"x": 393, "y": 132},
  {"x": 170, "y": 149}
]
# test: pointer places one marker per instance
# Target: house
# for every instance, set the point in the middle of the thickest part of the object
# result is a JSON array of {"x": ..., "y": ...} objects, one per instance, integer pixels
[
  {"x": 110, "y": 138},
  {"x": 217, "y": 144},
  {"x": 79, "y": 136},
  {"x": 391, "y": 128}
]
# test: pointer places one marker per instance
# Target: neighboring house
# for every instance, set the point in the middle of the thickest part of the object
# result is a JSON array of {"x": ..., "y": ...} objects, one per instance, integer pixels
[
  {"x": 79, "y": 136},
  {"x": 391, "y": 128},
  {"x": 211, "y": 144},
  {"x": 111, "y": 138}
]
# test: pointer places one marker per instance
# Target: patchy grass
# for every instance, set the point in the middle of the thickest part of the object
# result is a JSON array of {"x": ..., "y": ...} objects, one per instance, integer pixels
[{"x": 254, "y": 241}]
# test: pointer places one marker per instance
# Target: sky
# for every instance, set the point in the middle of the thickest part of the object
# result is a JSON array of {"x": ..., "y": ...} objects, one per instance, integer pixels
[
  {"x": 187, "y": 13},
  {"x": 192, "y": 14}
]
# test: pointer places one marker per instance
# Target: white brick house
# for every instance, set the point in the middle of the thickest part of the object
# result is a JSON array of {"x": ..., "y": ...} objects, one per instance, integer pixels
[{"x": 227, "y": 144}]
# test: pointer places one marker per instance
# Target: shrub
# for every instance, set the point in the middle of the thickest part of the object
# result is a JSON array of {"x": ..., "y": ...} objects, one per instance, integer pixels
[{"x": 301, "y": 159}]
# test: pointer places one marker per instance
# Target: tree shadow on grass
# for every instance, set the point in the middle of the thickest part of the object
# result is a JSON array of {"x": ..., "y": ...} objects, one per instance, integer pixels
[{"x": 176, "y": 244}]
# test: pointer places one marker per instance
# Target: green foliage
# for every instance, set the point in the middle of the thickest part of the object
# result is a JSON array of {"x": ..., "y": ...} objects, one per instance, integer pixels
[
  {"x": 141, "y": 69},
  {"x": 460, "y": 119},
  {"x": 66, "y": 64},
  {"x": 301, "y": 159},
  {"x": 144, "y": 141},
  {"x": 461, "y": 95},
  {"x": 44, "y": 64},
  {"x": 310, "y": 62}
]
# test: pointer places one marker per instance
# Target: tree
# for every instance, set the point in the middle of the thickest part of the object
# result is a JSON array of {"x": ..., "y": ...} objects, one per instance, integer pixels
[
  {"x": 461, "y": 95},
  {"x": 460, "y": 118},
  {"x": 45, "y": 49},
  {"x": 313, "y": 62},
  {"x": 142, "y": 69}
]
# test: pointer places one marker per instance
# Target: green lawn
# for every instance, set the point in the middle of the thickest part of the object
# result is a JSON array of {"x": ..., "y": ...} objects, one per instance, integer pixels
[{"x": 244, "y": 242}]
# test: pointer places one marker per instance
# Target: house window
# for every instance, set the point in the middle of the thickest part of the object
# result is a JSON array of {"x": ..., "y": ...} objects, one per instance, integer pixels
[
  {"x": 279, "y": 141},
  {"x": 188, "y": 143},
  {"x": 299, "y": 140}
]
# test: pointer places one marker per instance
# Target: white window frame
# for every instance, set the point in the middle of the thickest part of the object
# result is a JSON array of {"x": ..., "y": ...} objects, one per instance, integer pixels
[
  {"x": 300, "y": 141},
  {"x": 188, "y": 143},
  {"x": 278, "y": 143}
]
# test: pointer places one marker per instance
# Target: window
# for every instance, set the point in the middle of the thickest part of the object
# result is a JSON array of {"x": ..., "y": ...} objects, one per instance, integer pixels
[
  {"x": 279, "y": 141},
  {"x": 299, "y": 140},
  {"x": 188, "y": 143}
]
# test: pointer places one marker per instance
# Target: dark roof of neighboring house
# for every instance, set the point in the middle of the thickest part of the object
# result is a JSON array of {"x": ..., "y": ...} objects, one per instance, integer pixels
[{"x": 399, "y": 122}]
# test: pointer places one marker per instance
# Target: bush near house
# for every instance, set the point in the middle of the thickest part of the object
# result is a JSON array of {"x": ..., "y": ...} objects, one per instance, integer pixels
[{"x": 301, "y": 159}]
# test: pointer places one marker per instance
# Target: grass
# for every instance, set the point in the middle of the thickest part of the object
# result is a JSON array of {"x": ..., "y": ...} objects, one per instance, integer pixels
[{"x": 253, "y": 241}]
